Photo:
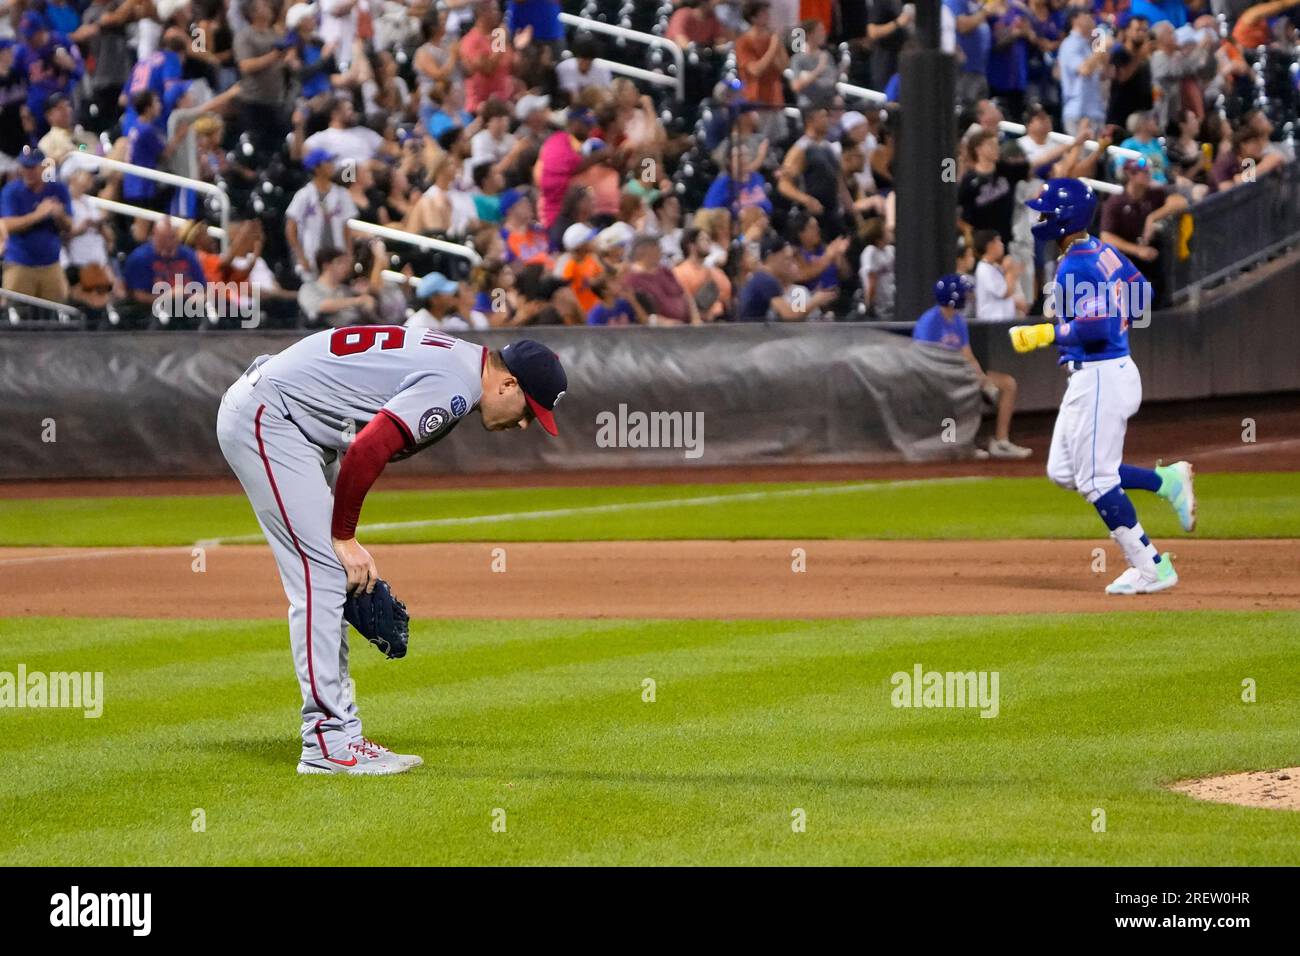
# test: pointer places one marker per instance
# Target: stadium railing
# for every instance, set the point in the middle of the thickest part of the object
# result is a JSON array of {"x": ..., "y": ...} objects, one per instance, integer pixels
[
  {"x": 139, "y": 212},
  {"x": 1233, "y": 231},
  {"x": 41, "y": 313},
  {"x": 649, "y": 39},
  {"x": 183, "y": 182},
  {"x": 636, "y": 73},
  {"x": 415, "y": 239}
]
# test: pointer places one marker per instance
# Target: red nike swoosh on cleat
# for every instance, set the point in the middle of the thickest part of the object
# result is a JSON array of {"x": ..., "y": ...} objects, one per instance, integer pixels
[{"x": 343, "y": 763}]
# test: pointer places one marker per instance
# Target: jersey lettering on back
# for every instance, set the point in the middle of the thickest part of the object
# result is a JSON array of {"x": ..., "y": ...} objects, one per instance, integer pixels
[
  {"x": 1097, "y": 293},
  {"x": 335, "y": 381}
]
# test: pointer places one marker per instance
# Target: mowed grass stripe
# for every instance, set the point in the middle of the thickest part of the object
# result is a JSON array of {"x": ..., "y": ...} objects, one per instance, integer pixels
[
  {"x": 1265, "y": 505},
  {"x": 751, "y": 719}
]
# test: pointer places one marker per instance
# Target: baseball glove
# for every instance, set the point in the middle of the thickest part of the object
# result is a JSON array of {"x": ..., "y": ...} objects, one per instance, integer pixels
[{"x": 380, "y": 618}]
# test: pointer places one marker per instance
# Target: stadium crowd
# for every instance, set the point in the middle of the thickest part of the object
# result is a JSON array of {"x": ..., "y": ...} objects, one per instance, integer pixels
[{"x": 589, "y": 197}]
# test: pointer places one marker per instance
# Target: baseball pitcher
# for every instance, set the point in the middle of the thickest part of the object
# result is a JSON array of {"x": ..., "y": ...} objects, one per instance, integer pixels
[
  {"x": 377, "y": 393},
  {"x": 1096, "y": 294}
]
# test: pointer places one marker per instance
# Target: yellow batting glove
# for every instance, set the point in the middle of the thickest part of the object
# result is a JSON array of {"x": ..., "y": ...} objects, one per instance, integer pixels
[{"x": 1026, "y": 338}]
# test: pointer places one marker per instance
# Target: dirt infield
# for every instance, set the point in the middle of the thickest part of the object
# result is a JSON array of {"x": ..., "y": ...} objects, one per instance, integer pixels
[
  {"x": 1270, "y": 789},
  {"x": 666, "y": 579}
]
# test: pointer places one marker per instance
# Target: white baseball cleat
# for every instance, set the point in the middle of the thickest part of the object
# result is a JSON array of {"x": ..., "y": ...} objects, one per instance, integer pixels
[
  {"x": 356, "y": 759},
  {"x": 1134, "y": 581},
  {"x": 407, "y": 760},
  {"x": 1008, "y": 450}
]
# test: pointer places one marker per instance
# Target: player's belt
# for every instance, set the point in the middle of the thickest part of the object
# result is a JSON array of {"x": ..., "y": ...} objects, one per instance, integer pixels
[{"x": 1077, "y": 365}]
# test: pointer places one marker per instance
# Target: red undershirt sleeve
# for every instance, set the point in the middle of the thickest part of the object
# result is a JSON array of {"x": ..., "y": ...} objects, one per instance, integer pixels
[{"x": 369, "y": 452}]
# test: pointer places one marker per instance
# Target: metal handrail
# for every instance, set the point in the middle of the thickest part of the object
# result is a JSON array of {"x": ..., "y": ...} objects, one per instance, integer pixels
[
  {"x": 400, "y": 278},
  {"x": 415, "y": 239},
  {"x": 184, "y": 182},
  {"x": 635, "y": 72},
  {"x": 649, "y": 39},
  {"x": 139, "y": 212},
  {"x": 63, "y": 310},
  {"x": 1098, "y": 186},
  {"x": 1018, "y": 129},
  {"x": 861, "y": 93}
]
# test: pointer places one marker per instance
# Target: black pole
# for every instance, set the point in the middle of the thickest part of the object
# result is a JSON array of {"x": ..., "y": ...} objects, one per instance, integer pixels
[{"x": 925, "y": 168}]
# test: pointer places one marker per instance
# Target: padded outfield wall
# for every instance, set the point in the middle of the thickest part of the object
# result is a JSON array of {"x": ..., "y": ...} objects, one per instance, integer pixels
[{"x": 144, "y": 404}]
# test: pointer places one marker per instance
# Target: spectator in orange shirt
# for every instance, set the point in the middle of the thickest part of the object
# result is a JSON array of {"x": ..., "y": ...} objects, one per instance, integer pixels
[
  {"x": 821, "y": 10},
  {"x": 526, "y": 242},
  {"x": 761, "y": 58},
  {"x": 487, "y": 58},
  {"x": 580, "y": 265},
  {"x": 1252, "y": 29}
]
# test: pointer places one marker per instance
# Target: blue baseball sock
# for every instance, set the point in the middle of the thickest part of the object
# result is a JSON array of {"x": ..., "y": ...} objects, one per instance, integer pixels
[
  {"x": 1134, "y": 478},
  {"x": 1116, "y": 509}
]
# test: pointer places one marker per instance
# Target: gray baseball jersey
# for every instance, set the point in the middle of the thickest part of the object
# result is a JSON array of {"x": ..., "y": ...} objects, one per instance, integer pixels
[{"x": 335, "y": 381}]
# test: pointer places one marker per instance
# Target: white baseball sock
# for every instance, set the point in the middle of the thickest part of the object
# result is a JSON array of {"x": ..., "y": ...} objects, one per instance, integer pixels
[{"x": 1139, "y": 554}]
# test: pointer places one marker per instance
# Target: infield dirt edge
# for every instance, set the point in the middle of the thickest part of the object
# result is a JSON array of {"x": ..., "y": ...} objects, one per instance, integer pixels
[{"x": 1264, "y": 789}]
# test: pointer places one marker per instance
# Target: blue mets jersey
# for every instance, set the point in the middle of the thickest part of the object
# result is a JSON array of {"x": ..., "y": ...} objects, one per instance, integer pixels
[{"x": 1097, "y": 294}]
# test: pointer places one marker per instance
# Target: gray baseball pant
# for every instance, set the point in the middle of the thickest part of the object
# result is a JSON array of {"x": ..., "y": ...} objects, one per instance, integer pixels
[{"x": 290, "y": 483}]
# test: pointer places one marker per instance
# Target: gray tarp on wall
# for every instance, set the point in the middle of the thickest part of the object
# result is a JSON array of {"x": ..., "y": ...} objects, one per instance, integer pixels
[{"x": 144, "y": 404}]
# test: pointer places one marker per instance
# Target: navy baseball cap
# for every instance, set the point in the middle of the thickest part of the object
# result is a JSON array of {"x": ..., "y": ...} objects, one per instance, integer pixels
[
  {"x": 30, "y": 157},
  {"x": 540, "y": 375}
]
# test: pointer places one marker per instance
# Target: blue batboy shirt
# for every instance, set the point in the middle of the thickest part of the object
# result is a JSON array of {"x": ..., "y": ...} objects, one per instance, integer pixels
[
  {"x": 932, "y": 327},
  {"x": 1096, "y": 293},
  {"x": 40, "y": 245}
]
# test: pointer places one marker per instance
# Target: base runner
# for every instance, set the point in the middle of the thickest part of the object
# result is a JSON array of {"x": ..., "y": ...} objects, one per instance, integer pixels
[
  {"x": 378, "y": 393},
  {"x": 1096, "y": 294}
]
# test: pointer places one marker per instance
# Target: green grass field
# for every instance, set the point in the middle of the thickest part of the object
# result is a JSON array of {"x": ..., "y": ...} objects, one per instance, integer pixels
[
  {"x": 751, "y": 721},
  {"x": 1265, "y": 505},
  {"x": 546, "y": 721}
]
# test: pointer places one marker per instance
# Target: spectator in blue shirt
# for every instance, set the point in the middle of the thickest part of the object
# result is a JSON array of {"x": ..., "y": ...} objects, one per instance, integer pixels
[
  {"x": 974, "y": 39},
  {"x": 543, "y": 16},
  {"x": 34, "y": 208},
  {"x": 51, "y": 62},
  {"x": 614, "y": 307},
  {"x": 763, "y": 296},
  {"x": 1008, "y": 70},
  {"x": 1144, "y": 128},
  {"x": 726, "y": 193},
  {"x": 318, "y": 68},
  {"x": 165, "y": 275},
  {"x": 1082, "y": 67},
  {"x": 1175, "y": 11},
  {"x": 1049, "y": 27},
  {"x": 149, "y": 146}
]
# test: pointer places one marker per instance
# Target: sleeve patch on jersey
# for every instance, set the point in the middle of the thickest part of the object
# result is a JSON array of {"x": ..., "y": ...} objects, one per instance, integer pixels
[
  {"x": 458, "y": 406},
  {"x": 433, "y": 421}
]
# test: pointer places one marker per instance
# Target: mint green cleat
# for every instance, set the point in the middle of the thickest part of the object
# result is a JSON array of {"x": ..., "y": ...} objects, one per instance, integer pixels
[
  {"x": 1134, "y": 581},
  {"x": 1176, "y": 488}
]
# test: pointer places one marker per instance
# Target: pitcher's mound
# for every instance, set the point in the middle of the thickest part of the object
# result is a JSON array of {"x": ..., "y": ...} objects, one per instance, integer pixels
[{"x": 1275, "y": 789}]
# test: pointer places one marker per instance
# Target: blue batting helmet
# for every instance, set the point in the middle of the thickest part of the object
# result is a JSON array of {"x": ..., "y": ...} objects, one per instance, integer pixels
[
  {"x": 1066, "y": 206},
  {"x": 952, "y": 290}
]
